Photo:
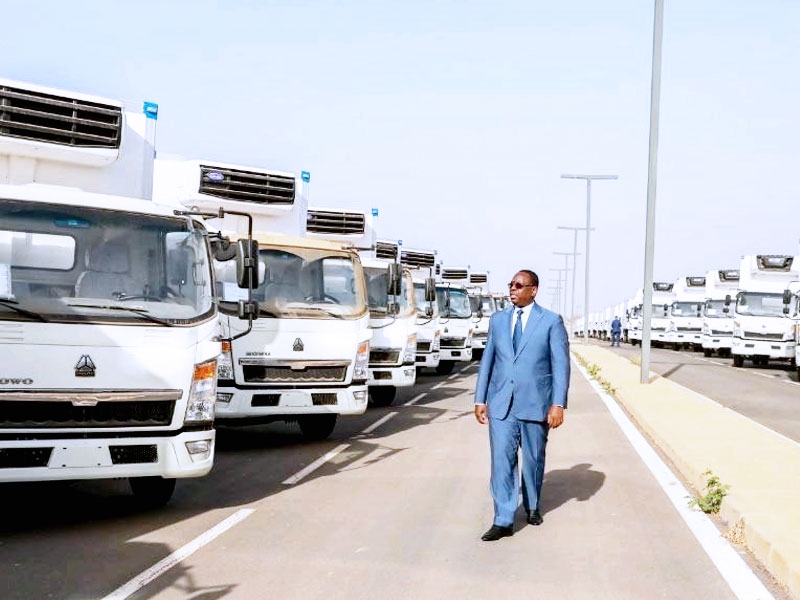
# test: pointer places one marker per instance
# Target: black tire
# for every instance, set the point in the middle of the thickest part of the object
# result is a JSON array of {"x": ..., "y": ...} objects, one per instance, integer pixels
[
  {"x": 738, "y": 360},
  {"x": 707, "y": 352},
  {"x": 445, "y": 367},
  {"x": 151, "y": 492},
  {"x": 677, "y": 347},
  {"x": 382, "y": 396},
  {"x": 317, "y": 427}
]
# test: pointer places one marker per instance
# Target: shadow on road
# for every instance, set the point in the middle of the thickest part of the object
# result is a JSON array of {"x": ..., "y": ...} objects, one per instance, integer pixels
[{"x": 579, "y": 482}]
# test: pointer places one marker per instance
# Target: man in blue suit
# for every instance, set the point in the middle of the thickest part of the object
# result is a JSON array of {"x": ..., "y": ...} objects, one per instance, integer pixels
[{"x": 521, "y": 393}]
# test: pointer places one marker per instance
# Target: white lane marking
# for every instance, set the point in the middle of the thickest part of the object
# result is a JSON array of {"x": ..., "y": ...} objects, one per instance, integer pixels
[
  {"x": 763, "y": 375},
  {"x": 438, "y": 385},
  {"x": 137, "y": 583},
  {"x": 742, "y": 581},
  {"x": 315, "y": 465},
  {"x": 467, "y": 368},
  {"x": 453, "y": 376},
  {"x": 378, "y": 423},
  {"x": 790, "y": 382},
  {"x": 721, "y": 364},
  {"x": 416, "y": 399}
]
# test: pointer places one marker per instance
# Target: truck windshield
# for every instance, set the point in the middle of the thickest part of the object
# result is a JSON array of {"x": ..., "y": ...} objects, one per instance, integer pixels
[
  {"x": 377, "y": 298},
  {"x": 715, "y": 309},
  {"x": 685, "y": 309},
  {"x": 453, "y": 303},
  {"x": 77, "y": 264},
  {"x": 659, "y": 310},
  {"x": 500, "y": 303},
  {"x": 759, "y": 304},
  {"x": 306, "y": 283},
  {"x": 484, "y": 303}
]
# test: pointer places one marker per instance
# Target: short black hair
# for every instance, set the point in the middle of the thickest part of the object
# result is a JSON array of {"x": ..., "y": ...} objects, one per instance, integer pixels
[{"x": 532, "y": 276}]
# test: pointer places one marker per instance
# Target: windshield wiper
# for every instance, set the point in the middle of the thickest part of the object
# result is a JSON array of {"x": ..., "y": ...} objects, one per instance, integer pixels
[
  {"x": 141, "y": 312},
  {"x": 12, "y": 304},
  {"x": 323, "y": 310}
]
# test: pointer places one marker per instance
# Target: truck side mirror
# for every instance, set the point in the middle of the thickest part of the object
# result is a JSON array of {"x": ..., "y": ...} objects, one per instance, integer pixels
[
  {"x": 787, "y": 299},
  {"x": 394, "y": 279},
  {"x": 666, "y": 309},
  {"x": 429, "y": 311},
  {"x": 247, "y": 264},
  {"x": 430, "y": 290},
  {"x": 728, "y": 300},
  {"x": 248, "y": 309},
  {"x": 699, "y": 309}
]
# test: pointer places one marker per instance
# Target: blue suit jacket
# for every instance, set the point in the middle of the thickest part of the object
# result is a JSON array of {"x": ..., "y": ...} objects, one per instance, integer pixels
[{"x": 537, "y": 376}]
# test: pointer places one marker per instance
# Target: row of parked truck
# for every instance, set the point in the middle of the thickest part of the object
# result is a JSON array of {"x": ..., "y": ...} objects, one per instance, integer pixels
[
  {"x": 144, "y": 302},
  {"x": 750, "y": 314}
]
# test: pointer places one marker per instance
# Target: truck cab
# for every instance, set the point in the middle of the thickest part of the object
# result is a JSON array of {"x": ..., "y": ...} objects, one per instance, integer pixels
[
  {"x": 717, "y": 317},
  {"x": 455, "y": 317},
  {"x": 393, "y": 319},
  {"x": 107, "y": 308},
  {"x": 483, "y": 307},
  {"x": 663, "y": 297},
  {"x": 686, "y": 313},
  {"x": 305, "y": 360},
  {"x": 422, "y": 264},
  {"x": 764, "y": 326}
]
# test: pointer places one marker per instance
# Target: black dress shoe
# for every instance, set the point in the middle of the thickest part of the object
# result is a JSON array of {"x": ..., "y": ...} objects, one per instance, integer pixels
[
  {"x": 535, "y": 517},
  {"x": 495, "y": 532}
]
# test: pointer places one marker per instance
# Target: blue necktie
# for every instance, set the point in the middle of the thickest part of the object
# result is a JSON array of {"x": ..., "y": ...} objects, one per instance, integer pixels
[{"x": 516, "y": 338}]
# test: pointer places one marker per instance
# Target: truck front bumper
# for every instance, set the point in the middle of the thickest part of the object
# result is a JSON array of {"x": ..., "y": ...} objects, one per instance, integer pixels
[
  {"x": 107, "y": 458},
  {"x": 428, "y": 359},
  {"x": 456, "y": 354},
  {"x": 399, "y": 376},
  {"x": 265, "y": 402},
  {"x": 771, "y": 348},
  {"x": 717, "y": 342}
]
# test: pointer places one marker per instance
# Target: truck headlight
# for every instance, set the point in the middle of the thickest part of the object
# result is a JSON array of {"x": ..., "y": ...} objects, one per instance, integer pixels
[
  {"x": 410, "y": 352},
  {"x": 469, "y": 339},
  {"x": 361, "y": 368},
  {"x": 737, "y": 329},
  {"x": 225, "y": 362},
  {"x": 789, "y": 334},
  {"x": 436, "y": 341},
  {"x": 203, "y": 393}
]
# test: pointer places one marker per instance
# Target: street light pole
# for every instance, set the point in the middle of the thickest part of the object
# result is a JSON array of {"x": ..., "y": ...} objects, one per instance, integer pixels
[
  {"x": 649, "y": 244},
  {"x": 588, "y": 179},
  {"x": 565, "y": 271},
  {"x": 575, "y": 254}
]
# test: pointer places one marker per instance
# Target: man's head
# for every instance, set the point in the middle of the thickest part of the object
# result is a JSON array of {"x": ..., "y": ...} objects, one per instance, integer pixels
[{"x": 523, "y": 287}]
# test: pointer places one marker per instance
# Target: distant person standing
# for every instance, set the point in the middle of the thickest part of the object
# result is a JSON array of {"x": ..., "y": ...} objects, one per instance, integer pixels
[
  {"x": 521, "y": 393},
  {"x": 616, "y": 331}
]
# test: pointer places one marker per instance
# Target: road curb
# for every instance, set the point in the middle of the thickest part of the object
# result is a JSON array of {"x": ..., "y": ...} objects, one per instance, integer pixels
[{"x": 698, "y": 434}]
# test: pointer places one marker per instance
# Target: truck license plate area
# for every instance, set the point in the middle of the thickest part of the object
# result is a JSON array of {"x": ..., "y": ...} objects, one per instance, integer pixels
[
  {"x": 456, "y": 352},
  {"x": 296, "y": 399},
  {"x": 80, "y": 457}
]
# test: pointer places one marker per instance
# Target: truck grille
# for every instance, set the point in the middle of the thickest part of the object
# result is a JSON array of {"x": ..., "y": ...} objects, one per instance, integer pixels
[
  {"x": 274, "y": 374},
  {"x": 44, "y": 414},
  {"x": 335, "y": 222},
  {"x": 753, "y": 335},
  {"x": 246, "y": 186},
  {"x": 457, "y": 342},
  {"x": 696, "y": 329},
  {"x": 58, "y": 119},
  {"x": 420, "y": 260},
  {"x": 390, "y": 357},
  {"x": 423, "y": 346},
  {"x": 720, "y": 332}
]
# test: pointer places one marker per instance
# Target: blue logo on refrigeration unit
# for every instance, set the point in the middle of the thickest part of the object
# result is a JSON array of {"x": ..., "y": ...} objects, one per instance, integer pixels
[
  {"x": 150, "y": 110},
  {"x": 305, "y": 176}
]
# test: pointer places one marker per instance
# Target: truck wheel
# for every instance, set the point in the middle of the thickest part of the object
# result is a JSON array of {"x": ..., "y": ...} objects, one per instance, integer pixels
[
  {"x": 317, "y": 427},
  {"x": 677, "y": 347},
  {"x": 151, "y": 492},
  {"x": 707, "y": 352},
  {"x": 382, "y": 396},
  {"x": 738, "y": 360},
  {"x": 445, "y": 367}
]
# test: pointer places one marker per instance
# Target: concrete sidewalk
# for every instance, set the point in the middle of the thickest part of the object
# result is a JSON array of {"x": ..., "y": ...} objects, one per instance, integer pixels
[{"x": 762, "y": 467}]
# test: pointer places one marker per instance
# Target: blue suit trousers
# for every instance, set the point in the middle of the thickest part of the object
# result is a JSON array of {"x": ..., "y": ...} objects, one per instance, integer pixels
[{"x": 506, "y": 437}]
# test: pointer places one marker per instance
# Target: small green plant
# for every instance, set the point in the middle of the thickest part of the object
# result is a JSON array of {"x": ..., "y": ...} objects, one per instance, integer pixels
[
  {"x": 715, "y": 492},
  {"x": 593, "y": 371}
]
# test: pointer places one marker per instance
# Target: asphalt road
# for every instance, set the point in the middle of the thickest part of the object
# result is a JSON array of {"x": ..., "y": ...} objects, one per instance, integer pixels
[
  {"x": 397, "y": 512},
  {"x": 768, "y": 395}
]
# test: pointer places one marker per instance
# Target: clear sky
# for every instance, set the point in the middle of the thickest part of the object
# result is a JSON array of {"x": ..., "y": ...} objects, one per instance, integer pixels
[{"x": 456, "y": 118}]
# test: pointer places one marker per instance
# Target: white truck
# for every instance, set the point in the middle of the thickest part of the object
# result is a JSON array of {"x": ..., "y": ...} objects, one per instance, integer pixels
[
  {"x": 455, "y": 317},
  {"x": 429, "y": 332},
  {"x": 717, "y": 317},
  {"x": 483, "y": 306},
  {"x": 108, "y": 320},
  {"x": 393, "y": 320},
  {"x": 663, "y": 297},
  {"x": 763, "y": 328},
  {"x": 634, "y": 314},
  {"x": 686, "y": 313},
  {"x": 306, "y": 358}
]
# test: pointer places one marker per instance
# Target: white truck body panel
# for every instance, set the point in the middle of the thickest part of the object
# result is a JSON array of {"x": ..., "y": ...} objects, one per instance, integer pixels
[
  {"x": 717, "y": 323},
  {"x": 686, "y": 321}
]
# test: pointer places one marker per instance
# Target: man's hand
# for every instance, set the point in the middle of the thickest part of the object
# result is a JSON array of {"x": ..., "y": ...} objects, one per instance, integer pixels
[
  {"x": 481, "y": 414},
  {"x": 555, "y": 416}
]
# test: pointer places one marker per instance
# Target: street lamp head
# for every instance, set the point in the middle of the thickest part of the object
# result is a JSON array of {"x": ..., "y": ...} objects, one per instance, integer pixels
[{"x": 576, "y": 176}]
